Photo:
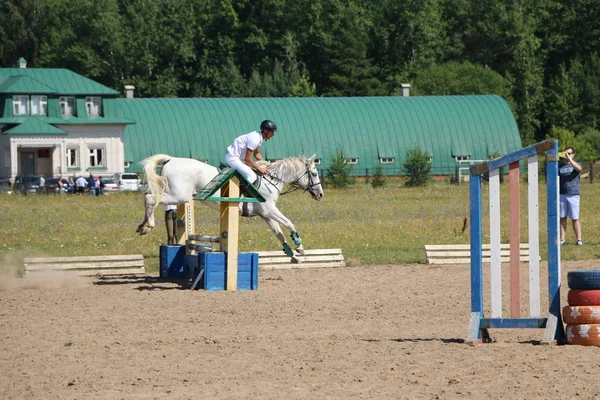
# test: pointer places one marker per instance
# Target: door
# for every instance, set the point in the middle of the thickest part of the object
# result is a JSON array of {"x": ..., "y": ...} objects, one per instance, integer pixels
[{"x": 27, "y": 163}]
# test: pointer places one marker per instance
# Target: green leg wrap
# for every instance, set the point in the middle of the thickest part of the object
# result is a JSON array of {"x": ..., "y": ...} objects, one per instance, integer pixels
[
  {"x": 296, "y": 238},
  {"x": 288, "y": 250}
]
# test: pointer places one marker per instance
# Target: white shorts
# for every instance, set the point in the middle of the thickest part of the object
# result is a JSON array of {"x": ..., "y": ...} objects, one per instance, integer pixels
[{"x": 569, "y": 206}]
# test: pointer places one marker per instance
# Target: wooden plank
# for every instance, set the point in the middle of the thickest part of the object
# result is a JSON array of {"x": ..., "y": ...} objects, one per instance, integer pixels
[
  {"x": 129, "y": 271},
  {"x": 270, "y": 253},
  {"x": 468, "y": 246},
  {"x": 486, "y": 253},
  {"x": 496, "y": 276},
  {"x": 514, "y": 239},
  {"x": 302, "y": 259},
  {"x": 229, "y": 231},
  {"x": 95, "y": 265},
  {"x": 301, "y": 266},
  {"x": 125, "y": 257},
  {"x": 534, "y": 239},
  {"x": 467, "y": 260}
]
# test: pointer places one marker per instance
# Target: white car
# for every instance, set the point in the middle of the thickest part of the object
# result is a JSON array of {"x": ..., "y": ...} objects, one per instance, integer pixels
[
  {"x": 110, "y": 186},
  {"x": 127, "y": 181}
]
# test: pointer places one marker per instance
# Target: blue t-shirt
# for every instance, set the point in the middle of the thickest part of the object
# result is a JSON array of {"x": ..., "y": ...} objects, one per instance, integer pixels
[{"x": 569, "y": 179}]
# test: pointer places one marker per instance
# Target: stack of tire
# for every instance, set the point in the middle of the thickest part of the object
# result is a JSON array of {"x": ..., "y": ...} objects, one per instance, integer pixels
[{"x": 582, "y": 315}]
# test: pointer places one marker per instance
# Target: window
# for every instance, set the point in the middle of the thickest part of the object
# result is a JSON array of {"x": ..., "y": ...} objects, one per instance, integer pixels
[
  {"x": 352, "y": 160},
  {"x": 67, "y": 106},
  {"x": 93, "y": 106},
  {"x": 39, "y": 105},
  {"x": 20, "y": 105},
  {"x": 462, "y": 158},
  {"x": 72, "y": 158},
  {"x": 96, "y": 157},
  {"x": 386, "y": 160},
  {"x": 317, "y": 161}
]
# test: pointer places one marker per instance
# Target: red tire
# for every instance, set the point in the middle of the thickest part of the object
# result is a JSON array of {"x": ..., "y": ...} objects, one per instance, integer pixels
[
  {"x": 583, "y": 334},
  {"x": 584, "y": 297},
  {"x": 581, "y": 314}
]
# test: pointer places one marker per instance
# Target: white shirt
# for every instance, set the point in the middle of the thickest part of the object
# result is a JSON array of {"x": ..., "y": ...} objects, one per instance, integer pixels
[
  {"x": 250, "y": 141},
  {"x": 81, "y": 182}
]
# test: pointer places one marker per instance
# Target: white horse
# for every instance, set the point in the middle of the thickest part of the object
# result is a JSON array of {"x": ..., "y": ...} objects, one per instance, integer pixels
[{"x": 181, "y": 178}]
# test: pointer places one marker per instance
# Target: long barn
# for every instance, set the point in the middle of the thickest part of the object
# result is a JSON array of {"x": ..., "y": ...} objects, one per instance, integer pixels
[
  {"x": 369, "y": 131},
  {"x": 57, "y": 122}
]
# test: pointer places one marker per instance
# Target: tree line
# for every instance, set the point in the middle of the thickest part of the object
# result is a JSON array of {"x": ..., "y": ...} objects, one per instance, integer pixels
[{"x": 540, "y": 55}]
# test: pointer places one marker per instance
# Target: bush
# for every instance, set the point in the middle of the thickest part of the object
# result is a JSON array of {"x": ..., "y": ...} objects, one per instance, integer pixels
[
  {"x": 338, "y": 173},
  {"x": 417, "y": 166},
  {"x": 378, "y": 179}
]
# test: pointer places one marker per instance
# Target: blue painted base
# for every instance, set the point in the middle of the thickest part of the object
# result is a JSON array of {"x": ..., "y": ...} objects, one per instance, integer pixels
[
  {"x": 171, "y": 262},
  {"x": 213, "y": 267}
]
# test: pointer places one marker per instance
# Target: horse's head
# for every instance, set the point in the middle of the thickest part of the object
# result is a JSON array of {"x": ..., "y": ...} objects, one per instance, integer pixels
[{"x": 310, "y": 180}]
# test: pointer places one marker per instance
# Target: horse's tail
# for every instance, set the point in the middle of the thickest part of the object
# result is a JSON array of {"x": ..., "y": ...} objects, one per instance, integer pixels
[{"x": 156, "y": 183}]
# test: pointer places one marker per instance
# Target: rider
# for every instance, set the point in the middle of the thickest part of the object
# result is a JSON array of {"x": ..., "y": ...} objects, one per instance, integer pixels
[{"x": 239, "y": 154}]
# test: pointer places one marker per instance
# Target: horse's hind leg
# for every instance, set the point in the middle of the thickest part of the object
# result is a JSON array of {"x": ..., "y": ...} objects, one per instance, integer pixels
[{"x": 148, "y": 224}]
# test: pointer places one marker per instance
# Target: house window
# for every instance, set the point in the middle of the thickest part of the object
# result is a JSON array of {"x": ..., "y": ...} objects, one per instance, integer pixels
[
  {"x": 67, "y": 106},
  {"x": 462, "y": 158},
  {"x": 39, "y": 105},
  {"x": 20, "y": 105},
  {"x": 386, "y": 160},
  {"x": 317, "y": 161},
  {"x": 352, "y": 160},
  {"x": 97, "y": 157},
  {"x": 93, "y": 106},
  {"x": 72, "y": 158}
]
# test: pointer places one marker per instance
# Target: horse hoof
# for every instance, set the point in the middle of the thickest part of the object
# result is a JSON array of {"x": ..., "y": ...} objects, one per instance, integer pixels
[
  {"x": 294, "y": 260},
  {"x": 143, "y": 229},
  {"x": 300, "y": 250}
]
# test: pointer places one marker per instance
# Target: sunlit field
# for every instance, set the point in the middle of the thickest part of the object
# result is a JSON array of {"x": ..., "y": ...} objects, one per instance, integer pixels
[{"x": 389, "y": 225}]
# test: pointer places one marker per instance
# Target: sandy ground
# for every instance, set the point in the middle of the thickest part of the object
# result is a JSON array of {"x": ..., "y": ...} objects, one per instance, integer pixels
[{"x": 386, "y": 332}]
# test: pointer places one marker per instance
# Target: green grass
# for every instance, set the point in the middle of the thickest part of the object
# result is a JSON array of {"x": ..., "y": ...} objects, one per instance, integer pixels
[{"x": 388, "y": 225}]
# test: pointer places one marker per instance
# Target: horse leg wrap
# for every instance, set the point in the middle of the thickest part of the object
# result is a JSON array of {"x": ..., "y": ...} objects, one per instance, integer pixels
[
  {"x": 296, "y": 238},
  {"x": 288, "y": 250}
]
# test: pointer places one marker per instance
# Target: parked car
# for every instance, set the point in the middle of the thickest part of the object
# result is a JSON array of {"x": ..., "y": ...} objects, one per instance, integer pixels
[
  {"x": 52, "y": 186},
  {"x": 6, "y": 186},
  {"x": 127, "y": 181},
  {"x": 110, "y": 186},
  {"x": 28, "y": 184}
]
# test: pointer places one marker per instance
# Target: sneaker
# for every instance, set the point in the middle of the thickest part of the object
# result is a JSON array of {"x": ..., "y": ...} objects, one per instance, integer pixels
[
  {"x": 562, "y": 242},
  {"x": 579, "y": 243}
]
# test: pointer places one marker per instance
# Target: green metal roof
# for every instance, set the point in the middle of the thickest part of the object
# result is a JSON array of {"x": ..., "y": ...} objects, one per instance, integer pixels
[
  {"x": 24, "y": 85},
  {"x": 49, "y": 80},
  {"x": 34, "y": 126},
  {"x": 366, "y": 128}
]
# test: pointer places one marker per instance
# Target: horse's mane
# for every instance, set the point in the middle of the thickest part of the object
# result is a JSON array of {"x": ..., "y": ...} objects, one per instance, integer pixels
[{"x": 286, "y": 169}]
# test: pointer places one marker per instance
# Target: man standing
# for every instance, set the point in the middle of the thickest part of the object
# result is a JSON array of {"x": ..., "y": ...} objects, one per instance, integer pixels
[
  {"x": 568, "y": 171},
  {"x": 240, "y": 154}
]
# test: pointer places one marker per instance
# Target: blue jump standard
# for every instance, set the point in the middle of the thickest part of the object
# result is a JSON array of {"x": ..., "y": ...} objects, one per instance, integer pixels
[{"x": 206, "y": 270}]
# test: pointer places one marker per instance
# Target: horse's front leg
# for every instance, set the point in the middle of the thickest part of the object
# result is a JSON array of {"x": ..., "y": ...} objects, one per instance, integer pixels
[
  {"x": 148, "y": 224},
  {"x": 273, "y": 220}
]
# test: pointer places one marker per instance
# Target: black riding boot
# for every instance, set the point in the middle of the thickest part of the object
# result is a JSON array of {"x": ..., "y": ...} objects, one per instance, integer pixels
[{"x": 171, "y": 224}]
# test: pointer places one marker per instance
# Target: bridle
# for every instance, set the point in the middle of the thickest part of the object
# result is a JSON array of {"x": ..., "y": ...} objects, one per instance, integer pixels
[{"x": 295, "y": 185}]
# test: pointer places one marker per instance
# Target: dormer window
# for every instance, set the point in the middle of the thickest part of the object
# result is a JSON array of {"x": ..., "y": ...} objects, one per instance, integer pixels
[
  {"x": 20, "y": 105},
  {"x": 93, "y": 106},
  {"x": 386, "y": 160},
  {"x": 39, "y": 105},
  {"x": 67, "y": 106},
  {"x": 24, "y": 105},
  {"x": 352, "y": 160}
]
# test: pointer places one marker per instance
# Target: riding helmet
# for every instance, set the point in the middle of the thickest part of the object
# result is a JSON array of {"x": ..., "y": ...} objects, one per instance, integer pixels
[{"x": 269, "y": 125}]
